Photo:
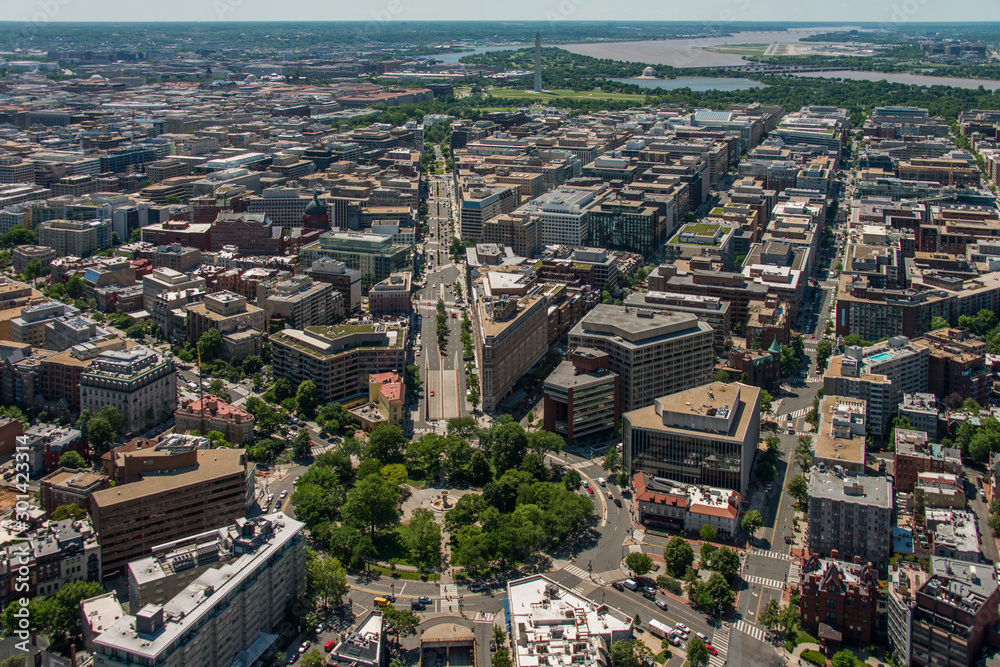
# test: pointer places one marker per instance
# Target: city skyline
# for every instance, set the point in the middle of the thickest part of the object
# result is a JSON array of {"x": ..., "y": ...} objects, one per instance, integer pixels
[{"x": 720, "y": 11}]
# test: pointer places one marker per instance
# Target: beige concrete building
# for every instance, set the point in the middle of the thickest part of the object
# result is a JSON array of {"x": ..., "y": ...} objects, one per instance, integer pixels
[
  {"x": 167, "y": 280},
  {"x": 386, "y": 399},
  {"x": 66, "y": 486},
  {"x": 140, "y": 383},
  {"x": 840, "y": 439},
  {"x": 225, "y": 311},
  {"x": 23, "y": 254},
  {"x": 80, "y": 238},
  {"x": 707, "y": 435},
  {"x": 656, "y": 353},
  {"x": 303, "y": 302}
]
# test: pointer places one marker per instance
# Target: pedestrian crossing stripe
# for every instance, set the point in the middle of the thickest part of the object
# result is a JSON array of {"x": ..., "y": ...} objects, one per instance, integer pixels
[
  {"x": 770, "y": 554},
  {"x": 770, "y": 583},
  {"x": 638, "y": 535},
  {"x": 751, "y": 630}
]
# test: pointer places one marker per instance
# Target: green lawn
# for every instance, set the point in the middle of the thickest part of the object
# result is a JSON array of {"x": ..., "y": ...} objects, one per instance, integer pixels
[{"x": 514, "y": 93}]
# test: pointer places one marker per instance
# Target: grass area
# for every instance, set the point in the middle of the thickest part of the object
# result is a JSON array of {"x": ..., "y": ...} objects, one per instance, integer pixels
[
  {"x": 409, "y": 576},
  {"x": 815, "y": 657},
  {"x": 662, "y": 657},
  {"x": 740, "y": 49},
  {"x": 595, "y": 94},
  {"x": 805, "y": 638}
]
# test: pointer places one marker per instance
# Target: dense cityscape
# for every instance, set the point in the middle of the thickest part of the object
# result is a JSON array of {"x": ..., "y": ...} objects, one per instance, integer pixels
[{"x": 481, "y": 345}]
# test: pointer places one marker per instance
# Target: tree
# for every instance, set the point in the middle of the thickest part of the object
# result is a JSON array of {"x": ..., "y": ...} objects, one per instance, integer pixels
[
  {"x": 312, "y": 659},
  {"x": 770, "y": 618},
  {"x": 678, "y": 556},
  {"x": 612, "y": 461},
  {"x": 639, "y": 563},
  {"x": 506, "y": 442},
  {"x": 938, "y": 322},
  {"x": 371, "y": 504},
  {"x": 72, "y": 459},
  {"x": 720, "y": 376},
  {"x": 423, "y": 538},
  {"x": 708, "y": 533},
  {"x": 386, "y": 442},
  {"x": 544, "y": 442},
  {"x": 463, "y": 427},
  {"x": 697, "y": 653},
  {"x": 715, "y": 594},
  {"x": 798, "y": 488},
  {"x": 68, "y": 512},
  {"x": 326, "y": 577},
  {"x": 307, "y": 398},
  {"x": 630, "y": 653},
  {"x": 752, "y": 522},
  {"x": 32, "y": 269},
  {"x": 20, "y": 235},
  {"x": 100, "y": 435},
  {"x": 302, "y": 445},
  {"x": 824, "y": 349},
  {"x": 219, "y": 389},
  {"x": 210, "y": 345},
  {"x": 501, "y": 658},
  {"x": 765, "y": 401},
  {"x": 400, "y": 622},
  {"x": 726, "y": 562},
  {"x": 843, "y": 658}
]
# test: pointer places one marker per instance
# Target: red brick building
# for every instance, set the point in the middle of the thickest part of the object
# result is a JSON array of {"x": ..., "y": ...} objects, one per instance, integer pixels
[
  {"x": 195, "y": 235},
  {"x": 252, "y": 233},
  {"x": 838, "y": 600}
]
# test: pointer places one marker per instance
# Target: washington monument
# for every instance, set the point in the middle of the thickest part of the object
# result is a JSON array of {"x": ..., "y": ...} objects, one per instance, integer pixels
[{"x": 538, "y": 62}]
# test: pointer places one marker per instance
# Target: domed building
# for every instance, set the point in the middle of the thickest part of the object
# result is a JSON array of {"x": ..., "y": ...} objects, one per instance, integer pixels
[
  {"x": 649, "y": 72},
  {"x": 315, "y": 215}
]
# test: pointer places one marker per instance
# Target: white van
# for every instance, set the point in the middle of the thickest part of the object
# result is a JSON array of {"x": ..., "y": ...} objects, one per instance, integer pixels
[
  {"x": 602, "y": 481},
  {"x": 630, "y": 584}
]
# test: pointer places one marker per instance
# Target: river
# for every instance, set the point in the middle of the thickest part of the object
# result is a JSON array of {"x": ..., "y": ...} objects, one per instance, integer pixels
[
  {"x": 917, "y": 79},
  {"x": 696, "y": 83}
]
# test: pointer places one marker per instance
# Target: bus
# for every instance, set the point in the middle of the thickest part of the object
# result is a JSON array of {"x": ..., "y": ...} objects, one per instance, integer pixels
[{"x": 660, "y": 630}]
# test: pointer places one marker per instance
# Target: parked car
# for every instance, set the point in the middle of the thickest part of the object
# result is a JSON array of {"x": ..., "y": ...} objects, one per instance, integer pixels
[
  {"x": 493, "y": 646},
  {"x": 477, "y": 588},
  {"x": 662, "y": 604},
  {"x": 423, "y": 599},
  {"x": 683, "y": 628},
  {"x": 329, "y": 645},
  {"x": 702, "y": 636},
  {"x": 648, "y": 595},
  {"x": 788, "y": 539},
  {"x": 305, "y": 647},
  {"x": 617, "y": 585},
  {"x": 648, "y": 589}
]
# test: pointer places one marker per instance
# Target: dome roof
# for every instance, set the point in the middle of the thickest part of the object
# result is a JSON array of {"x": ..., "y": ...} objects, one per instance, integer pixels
[{"x": 315, "y": 207}]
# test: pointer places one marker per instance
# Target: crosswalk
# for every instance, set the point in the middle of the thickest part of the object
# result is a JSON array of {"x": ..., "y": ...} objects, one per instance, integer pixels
[
  {"x": 770, "y": 554},
  {"x": 583, "y": 574},
  {"x": 761, "y": 581},
  {"x": 720, "y": 640},
  {"x": 449, "y": 598},
  {"x": 793, "y": 415},
  {"x": 794, "y": 575},
  {"x": 580, "y": 464},
  {"x": 814, "y": 379},
  {"x": 634, "y": 548},
  {"x": 638, "y": 535},
  {"x": 750, "y": 629}
]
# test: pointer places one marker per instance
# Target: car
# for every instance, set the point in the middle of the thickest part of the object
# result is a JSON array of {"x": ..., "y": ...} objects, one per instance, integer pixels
[
  {"x": 610, "y": 497},
  {"x": 788, "y": 539},
  {"x": 617, "y": 585},
  {"x": 390, "y": 598},
  {"x": 329, "y": 645},
  {"x": 423, "y": 599},
  {"x": 767, "y": 489},
  {"x": 618, "y": 502},
  {"x": 305, "y": 647},
  {"x": 819, "y": 371},
  {"x": 292, "y": 658},
  {"x": 648, "y": 595},
  {"x": 648, "y": 589},
  {"x": 590, "y": 490},
  {"x": 283, "y": 494},
  {"x": 428, "y": 303},
  {"x": 662, "y": 604},
  {"x": 813, "y": 335},
  {"x": 493, "y": 646},
  {"x": 417, "y": 606},
  {"x": 712, "y": 649},
  {"x": 683, "y": 628},
  {"x": 702, "y": 636},
  {"x": 295, "y": 481},
  {"x": 270, "y": 497},
  {"x": 432, "y": 392},
  {"x": 477, "y": 588}
]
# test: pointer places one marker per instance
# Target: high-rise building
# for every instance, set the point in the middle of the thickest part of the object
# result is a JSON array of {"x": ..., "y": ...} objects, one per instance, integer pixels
[
  {"x": 373, "y": 254},
  {"x": 656, "y": 353},
  {"x": 224, "y": 311},
  {"x": 916, "y": 454},
  {"x": 706, "y": 435},
  {"x": 225, "y": 616},
  {"x": 303, "y": 302},
  {"x": 166, "y": 493},
  {"x": 139, "y": 382},
  {"x": 850, "y": 516},
  {"x": 955, "y": 614},
  {"x": 339, "y": 359},
  {"x": 903, "y": 583},
  {"x": 79, "y": 238},
  {"x": 581, "y": 396}
]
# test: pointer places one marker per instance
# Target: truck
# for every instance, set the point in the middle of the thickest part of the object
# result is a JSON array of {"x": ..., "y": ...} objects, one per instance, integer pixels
[{"x": 630, "y": 584}]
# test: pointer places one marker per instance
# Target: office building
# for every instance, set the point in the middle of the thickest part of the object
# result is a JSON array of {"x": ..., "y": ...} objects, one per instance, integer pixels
[
  {"x": 551, "y": 622},
  {"x": 230, "y": 613},
  {"x": 391, "y": 296},
  {"x": 840, "y": 438},
  {"x": 879, "y": 375},
  {"x": 921, "y": 409},
  {"x": 581, "y": 396},
  {"x": 139, "y": 382},
  {"x": 225, "y": 311},
  {"x": 916, "y": 454},
  {"x": 903, "y": 583},
  {"x": 565, "y": 214},
  {"x": 839, "y": 600},
  {"x": 510, "y": 330},
  {"x": 707, "y": 435},
  {"x": 30, "y": 326},
  {"x": 955, "y": 613},
  {"x": 949, "y": 532},
  {"x": 210, "y": 413},
  {"x": 374, "y": 255},
  {"x": 66, "y": 486},
  {"x": 711, "y": 310},
  {"x": 956, "y": 364},
  {"x": 23, "y": 254},
  {"x": 339, "y": 359},
  {"x": 663, "y": 503},
  {"x": 850, "y": 515},
  {"x": 176, "y": 257},
  {"x": 302, "y": 303},
  {"x": 480, "y": 203},
  {"x": 251, "y": 233},
  {"x": 167, "y": 280},
  {"x": 345, "y": 280},
  {"x": 80, "y": 238},
  {"x": 167, "y": 492},
  {"x": 655, "y": 353}
]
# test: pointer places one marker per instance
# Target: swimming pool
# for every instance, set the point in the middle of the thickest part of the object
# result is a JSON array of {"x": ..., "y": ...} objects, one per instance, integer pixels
[{"x": 881, "y": 356}]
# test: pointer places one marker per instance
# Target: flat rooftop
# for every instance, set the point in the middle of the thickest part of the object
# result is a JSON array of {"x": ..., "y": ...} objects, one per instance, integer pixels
[{"x": 635, "y": 325}]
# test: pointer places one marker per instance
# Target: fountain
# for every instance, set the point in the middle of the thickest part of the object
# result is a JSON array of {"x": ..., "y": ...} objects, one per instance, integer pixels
[{"x": 442, "y": 503}]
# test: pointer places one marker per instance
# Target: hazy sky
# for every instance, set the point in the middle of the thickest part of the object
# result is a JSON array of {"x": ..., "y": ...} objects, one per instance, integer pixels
[{"x": 896, "y": 11}]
